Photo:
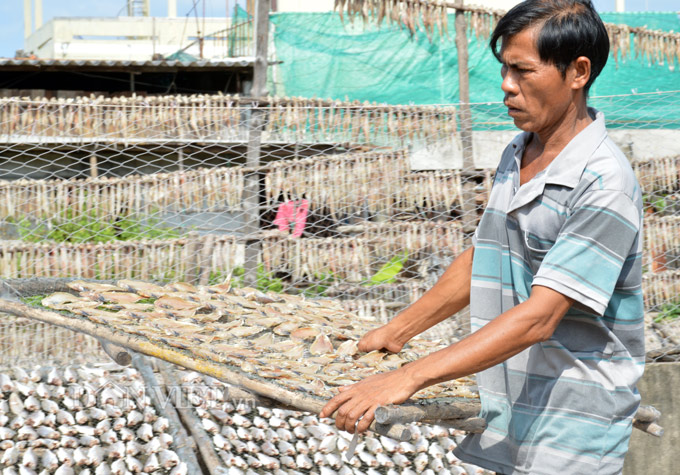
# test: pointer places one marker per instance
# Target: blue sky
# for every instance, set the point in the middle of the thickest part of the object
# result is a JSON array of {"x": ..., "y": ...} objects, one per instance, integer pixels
[{"x": 12, "y": 21}]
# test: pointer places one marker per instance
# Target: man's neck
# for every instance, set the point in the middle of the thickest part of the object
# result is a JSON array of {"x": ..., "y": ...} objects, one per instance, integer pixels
[{"x": 545, "y": 145}]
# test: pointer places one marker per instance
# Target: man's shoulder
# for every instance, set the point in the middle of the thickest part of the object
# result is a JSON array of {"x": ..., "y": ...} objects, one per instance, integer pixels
[{"x": 609, "y": 169}]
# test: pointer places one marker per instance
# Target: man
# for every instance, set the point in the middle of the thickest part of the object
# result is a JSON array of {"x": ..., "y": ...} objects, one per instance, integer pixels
[{"x": 553, "y": 278}]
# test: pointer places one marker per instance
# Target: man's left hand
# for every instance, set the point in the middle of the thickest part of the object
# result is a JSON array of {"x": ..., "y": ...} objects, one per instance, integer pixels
[{"x": 360, "y": 400}]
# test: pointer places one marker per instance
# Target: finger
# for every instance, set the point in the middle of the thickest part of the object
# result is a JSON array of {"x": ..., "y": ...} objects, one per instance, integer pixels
[
  {"x": 366, "y": 420},
  {"x": 332, "y": 405},
  {"x": 349, "y": 414}
]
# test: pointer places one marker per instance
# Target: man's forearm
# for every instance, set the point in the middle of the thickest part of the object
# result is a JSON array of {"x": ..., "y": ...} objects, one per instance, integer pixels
[
  {"x": 449, "y": 295},
  {"x": 522, "y": 326}
]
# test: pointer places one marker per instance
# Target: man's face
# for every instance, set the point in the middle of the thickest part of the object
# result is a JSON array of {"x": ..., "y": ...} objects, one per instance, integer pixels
[{"x": 536, "y": 94}]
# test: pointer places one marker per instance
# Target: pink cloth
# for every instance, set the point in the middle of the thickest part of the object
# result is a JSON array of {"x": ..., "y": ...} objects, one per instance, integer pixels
[{"x": 292, "y": 213}]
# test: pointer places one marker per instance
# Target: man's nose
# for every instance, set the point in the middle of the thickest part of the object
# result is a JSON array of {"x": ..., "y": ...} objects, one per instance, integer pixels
[{"x": 509, "y": 84}]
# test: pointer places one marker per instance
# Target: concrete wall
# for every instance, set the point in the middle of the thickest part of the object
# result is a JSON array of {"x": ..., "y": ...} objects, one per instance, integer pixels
[
  {"x": 648, "y": 454},
  {"x": 488, "y": 146}
]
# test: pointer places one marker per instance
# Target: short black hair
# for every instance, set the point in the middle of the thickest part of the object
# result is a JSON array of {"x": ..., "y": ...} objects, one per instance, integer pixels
[{"x": 570, "y": 28}]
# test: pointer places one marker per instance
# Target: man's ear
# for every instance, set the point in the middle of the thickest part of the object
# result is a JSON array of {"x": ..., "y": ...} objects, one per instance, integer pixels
[{"x": 580, "y": 72}]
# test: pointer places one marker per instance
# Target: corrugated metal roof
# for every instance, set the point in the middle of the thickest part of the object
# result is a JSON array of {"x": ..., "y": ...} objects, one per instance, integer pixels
[{"x": 16, "y": 64}]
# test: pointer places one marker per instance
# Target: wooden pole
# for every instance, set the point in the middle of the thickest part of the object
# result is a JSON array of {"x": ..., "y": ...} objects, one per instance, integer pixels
[
  {"x": 193, "y": 264},
  {"x": 453, "y": 408},
  {"x": 469, "y": 205},
  {"x": 251, "y": 191},
  {"x": 465, "y": 121}
]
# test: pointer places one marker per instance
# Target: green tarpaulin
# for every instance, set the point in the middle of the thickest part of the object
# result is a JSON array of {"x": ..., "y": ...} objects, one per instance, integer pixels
[{"x": 322, "y": 56}]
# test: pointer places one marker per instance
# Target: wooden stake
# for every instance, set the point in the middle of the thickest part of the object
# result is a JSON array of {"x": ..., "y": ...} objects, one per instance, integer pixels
[
  {"x": 117, "y": 353},
  {"x": 182, "y": 443},
  {"x": 191, "y": 421}
]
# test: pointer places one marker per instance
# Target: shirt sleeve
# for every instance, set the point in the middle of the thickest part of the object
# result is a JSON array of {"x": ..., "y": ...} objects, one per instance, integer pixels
[{"x": 587, "y": 259}]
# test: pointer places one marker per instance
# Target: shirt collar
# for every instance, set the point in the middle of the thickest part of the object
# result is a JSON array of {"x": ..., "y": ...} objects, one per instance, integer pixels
[{"x": 567, "y": 168}]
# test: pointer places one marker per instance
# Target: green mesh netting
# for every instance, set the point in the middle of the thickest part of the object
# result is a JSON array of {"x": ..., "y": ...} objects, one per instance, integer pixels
[{"x": 322, "y": 56}]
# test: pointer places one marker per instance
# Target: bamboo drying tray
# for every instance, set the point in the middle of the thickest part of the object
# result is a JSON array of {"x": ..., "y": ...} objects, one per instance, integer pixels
[{"x": 279, "y": 380}]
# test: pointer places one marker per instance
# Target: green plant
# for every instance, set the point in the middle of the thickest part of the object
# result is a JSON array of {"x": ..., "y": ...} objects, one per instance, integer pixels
[
  {"x": 89, "y": 228},
  {"x": 320, "y": 286},
  {"x": 669, "y": 311},
  {"x": 388, "y": 272},
  {"x": 33, "y": 300},
  {"x": 266, "y": 282}
]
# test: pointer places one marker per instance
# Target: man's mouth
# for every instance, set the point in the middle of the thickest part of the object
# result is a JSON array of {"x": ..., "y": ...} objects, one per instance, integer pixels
[{"x": 513, "y": 111}]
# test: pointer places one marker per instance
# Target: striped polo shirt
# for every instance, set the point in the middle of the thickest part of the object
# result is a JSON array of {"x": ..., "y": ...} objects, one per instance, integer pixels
[{"x": 563, "y": 406}]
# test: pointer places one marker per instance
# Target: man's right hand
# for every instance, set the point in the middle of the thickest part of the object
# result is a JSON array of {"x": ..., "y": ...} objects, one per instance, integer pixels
[{"x": 383, "y": 338}]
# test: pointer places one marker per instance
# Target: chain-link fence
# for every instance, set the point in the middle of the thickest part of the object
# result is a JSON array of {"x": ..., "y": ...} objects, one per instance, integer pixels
[{"x": 361, "y": 202}]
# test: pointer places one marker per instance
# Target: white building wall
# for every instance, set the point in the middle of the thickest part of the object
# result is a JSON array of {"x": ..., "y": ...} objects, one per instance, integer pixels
[{"x": 125, "y": 38}]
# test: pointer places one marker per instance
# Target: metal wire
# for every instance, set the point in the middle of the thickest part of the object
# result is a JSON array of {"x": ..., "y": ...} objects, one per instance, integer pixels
[{"x": 360, "y": 202}]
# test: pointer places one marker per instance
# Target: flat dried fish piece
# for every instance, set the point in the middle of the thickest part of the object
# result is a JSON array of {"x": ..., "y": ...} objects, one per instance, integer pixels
[
  {"x": 347, "y": 348},
  {"x": 267, "y": 341},
  {"x": 207, "y": 317},
  {"x": 242, "y": 301},
  {"x": 178, "y": 314},
  {"x": 234, "y": 351},
  {"x": 102, "y": 316},
  {"x": 113, "y": 297},
  {"x": 133, "y": 307},
  {"x": 323, "y": 360},
  {"x": 391, "y": 362},
  {"x": 282, "y": 308},
  {"x": 181, "y": 343},
  {"x": 267, "y": 322},
  {"x": 220, "y": 305},
  {"x": 175, "y": 326},
  {"x": 371, "y": 358},
  {"x": 275, "y": 373},
  {"x": 172, "y": 302},
  {"x": 284, "y": 329},
  {"x": 249, "y": 365},
  {"x": 314, "y": 386},
  {"x": 305, "y": 333},
  {"x": 340, "y": 368},
  {"x": 82, "y": 286},
  {"x": 341, "y": 380},
  {"x": 303, "y": 368},
  {"x": 142, "y": 315},
  {"x": 144, "y": 289},
  {"x": 202, "y": 338},
  {"x": 59, "y": 300},
  {"x": 223, "y": 288},
  {"x": 256, "y": 295},
  {"x": 245, "y": 331},
  {"x": 321, "y": 345},
  {"x": 295, "y": 353},
  {"x": 181, "y": 287}
]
